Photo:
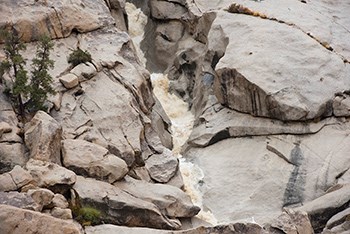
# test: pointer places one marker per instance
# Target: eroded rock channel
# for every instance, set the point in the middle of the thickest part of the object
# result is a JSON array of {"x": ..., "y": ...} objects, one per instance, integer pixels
[{"x": 194, "y": 116}]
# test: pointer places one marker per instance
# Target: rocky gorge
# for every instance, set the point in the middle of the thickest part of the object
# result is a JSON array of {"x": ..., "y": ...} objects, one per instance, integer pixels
[{"x": 254, "y": 137}]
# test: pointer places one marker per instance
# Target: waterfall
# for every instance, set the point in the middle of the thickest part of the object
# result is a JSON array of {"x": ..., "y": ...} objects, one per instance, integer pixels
[{"x": 178, "y": 111}]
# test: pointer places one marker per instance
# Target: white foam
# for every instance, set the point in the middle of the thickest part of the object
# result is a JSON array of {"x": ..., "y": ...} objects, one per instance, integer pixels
[{"x": 177, "y": 110}]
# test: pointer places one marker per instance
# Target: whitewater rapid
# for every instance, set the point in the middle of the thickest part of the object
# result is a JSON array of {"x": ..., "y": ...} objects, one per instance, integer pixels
[{"x": 178, "y": 111}]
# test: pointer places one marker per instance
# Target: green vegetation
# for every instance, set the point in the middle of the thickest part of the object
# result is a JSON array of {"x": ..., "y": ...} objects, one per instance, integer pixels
[
  {"x": 87, "y": 216},
  {"x": 33, "y": 89},
  {"x": 78, "y": 56}
]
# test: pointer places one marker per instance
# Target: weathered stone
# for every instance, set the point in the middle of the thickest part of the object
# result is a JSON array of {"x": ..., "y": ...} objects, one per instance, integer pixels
[
  {"x": 84, "y": 71},
  {"x": 43, "y": 138},
  {"x": 338, "y": 219},
  {"x": 237, "y": 228},
  {"x": 219, "y": 123},
  {"x": 41, "y": 196},
  {"x": 19, "y": 221},
  {"x": 14, "y": 179},
  {"x": 20, "y": 200},
  {"x": 58, "y": 201},
  {"x": 20, "y": 176},
  {"x": 119, "y": 207},
  {"x": 161, "y": 124},
  {"x": 92, "y": 160},
  {"x": 69, "y": 80},
  {"x": 56, "y": 19},
  {"x": 293, "y": 223},
  {"x": 172, "y": 201},
  {"x": 323, "y": 208},
  {"x": 4, "y": 128},
  {"x": 50, "y": 175},
  {"x": 307, "y": 166},
  {"x": 7, "y": 183},
  {"x": 167, "y": 10},
  {"x": 11, "y": 154},
  {"x": 274, "y": 92},
  {"x": 61, "y": 213},
  {"x": 341, "y": 105},
  {"x": 162, "y": 167}
]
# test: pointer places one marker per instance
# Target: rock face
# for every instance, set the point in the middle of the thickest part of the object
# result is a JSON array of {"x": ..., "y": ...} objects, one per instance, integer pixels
[
  {"x": 268, "y": 85},
  {"x": 119, "y": 207},
  {"x": 172, "y": 201},
  {"x": 267, "y": 90},
  {"x": 11, "y": 145},
  {"x": 18, "y": 221},
  {"x": 43, "y": 138},
  {"x": 50, "y": 175},
  {"x": 92, "y": 160},
  {"x": 15, "y": 179},
  {"x": 56, "y": 19}
]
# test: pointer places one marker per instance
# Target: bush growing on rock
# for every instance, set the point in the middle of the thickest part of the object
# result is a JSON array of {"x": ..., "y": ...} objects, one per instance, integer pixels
[
  {"x": 87, "y": 216},
  {"x": 28, "y": 94},
  {"x": 78, "y": 56}
]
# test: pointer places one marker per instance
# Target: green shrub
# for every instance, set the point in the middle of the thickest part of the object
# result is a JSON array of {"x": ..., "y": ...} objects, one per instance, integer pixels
[
  {"x": 87, "y": 216},
  {"x": 78, "y": 56}
]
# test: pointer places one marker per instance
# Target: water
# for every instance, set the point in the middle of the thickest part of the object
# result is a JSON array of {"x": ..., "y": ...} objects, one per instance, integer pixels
[{"x": 178, "y": 111}]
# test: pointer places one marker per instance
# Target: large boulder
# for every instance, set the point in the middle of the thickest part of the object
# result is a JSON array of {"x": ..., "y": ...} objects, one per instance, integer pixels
[
  {"x": 43, "y": 138},
  {"x": 20, "y": 200},
  {"x": 92, "y": 160},
  {"x": 172, "y": 201},
  {"x": 19, "y": 221},
  {"x": 236, "y": 228},
  {"x": 15, "y": 179},
  {"x": 119, "y": 207},
  {"x": 298, "y": 84},
  {"x": 50, "y": 175},
  {"x": 56, "y": 19},
  {"x": 162, "y": 167},
  {"x": 323, "y": 208}
]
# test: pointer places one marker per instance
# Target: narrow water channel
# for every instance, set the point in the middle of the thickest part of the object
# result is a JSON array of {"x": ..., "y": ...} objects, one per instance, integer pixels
[{"x": 177, "y": 110}]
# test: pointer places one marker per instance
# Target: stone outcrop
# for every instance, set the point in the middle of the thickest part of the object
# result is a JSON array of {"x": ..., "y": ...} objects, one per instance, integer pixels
[
  {"x": 56, "y": 19},
  {"x": 50, "y": 175},
  {"x": 162, "y": 167},
  {"x": 15, "y": 179},
  {"x": 18, "y": 221},
  {"x": 43, "y": 138},
  {"x": 92, "y": 160},
  {"x": 171, "y": 201},
  {"x": 119, "y": 207},
  {"x": 269, "y": 88},
  {"x": 12, "y": 150}
]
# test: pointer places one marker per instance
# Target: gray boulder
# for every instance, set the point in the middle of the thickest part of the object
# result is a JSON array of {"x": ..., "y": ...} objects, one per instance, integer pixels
[{"x": 92, "y": 160}]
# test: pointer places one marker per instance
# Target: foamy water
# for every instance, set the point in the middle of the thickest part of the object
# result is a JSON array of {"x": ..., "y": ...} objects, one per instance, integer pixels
[{"x": 178, "y": 111}]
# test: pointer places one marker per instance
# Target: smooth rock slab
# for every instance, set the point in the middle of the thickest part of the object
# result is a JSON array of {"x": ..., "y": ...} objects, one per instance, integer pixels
[
  {"x": 257, "y": 176},
  {"x": 120, "y": 208},
  {"x": 172, "y": 201},
  {"x": 19, "y": 221},
  {"x": 262, "y": 75},
  {"x": 92, "y": 160}
]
